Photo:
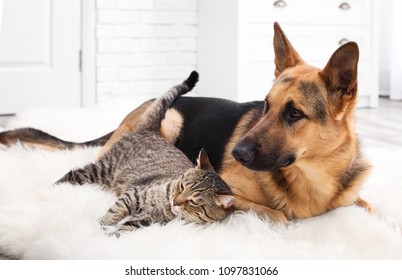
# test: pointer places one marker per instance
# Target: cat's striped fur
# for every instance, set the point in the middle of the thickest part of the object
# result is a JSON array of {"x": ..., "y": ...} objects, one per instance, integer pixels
[{"x": 156, "y": 182}]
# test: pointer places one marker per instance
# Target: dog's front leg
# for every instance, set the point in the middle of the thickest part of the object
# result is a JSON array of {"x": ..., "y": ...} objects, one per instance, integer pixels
[
  {"x": 264, "y": 211},
  {"x": 364, "y": 204}
]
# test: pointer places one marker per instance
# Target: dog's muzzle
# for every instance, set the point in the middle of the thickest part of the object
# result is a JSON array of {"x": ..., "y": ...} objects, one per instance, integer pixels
[{"x": 248, "y": 154}]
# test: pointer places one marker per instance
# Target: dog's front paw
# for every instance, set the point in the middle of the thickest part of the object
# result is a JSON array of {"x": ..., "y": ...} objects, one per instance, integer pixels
[
  {"x": 277, "y": 217},
  {"x": 367, "y": 206},
  {"x": 263, "y": 211}
]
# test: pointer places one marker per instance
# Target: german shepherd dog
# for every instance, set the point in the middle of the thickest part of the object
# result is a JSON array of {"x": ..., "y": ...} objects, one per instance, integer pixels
[{"x": 294, "y": 155}]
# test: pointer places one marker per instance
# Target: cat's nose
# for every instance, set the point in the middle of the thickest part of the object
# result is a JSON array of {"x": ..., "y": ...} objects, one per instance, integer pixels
[{"x": 178, "y": 200}]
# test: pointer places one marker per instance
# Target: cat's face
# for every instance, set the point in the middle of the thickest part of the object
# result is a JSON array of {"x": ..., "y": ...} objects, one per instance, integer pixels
[{"x": 202, "y": 196}]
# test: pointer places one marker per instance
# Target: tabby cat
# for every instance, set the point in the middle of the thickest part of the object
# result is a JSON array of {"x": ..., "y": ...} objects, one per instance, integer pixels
[{"x": 156, "y": 182}]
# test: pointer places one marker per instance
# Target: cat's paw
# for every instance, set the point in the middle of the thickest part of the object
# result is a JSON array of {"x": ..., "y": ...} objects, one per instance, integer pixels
[{"x": 111, "y": 231}]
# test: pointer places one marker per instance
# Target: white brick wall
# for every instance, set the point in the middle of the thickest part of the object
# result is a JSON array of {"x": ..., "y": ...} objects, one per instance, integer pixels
[{"x": 144, "y": 46}]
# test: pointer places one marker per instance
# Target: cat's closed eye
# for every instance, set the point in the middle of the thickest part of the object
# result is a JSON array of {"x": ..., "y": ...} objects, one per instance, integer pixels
[
  {"x": 192, "y": 202},
  {"x": 196, "y": 201}
]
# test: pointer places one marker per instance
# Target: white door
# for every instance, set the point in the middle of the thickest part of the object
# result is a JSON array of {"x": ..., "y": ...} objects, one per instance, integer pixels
[{"x": 40, "y": 42}]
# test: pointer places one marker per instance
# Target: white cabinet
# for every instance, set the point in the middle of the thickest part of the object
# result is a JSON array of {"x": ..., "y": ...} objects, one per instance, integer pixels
[{"x": 235, "y": 50}]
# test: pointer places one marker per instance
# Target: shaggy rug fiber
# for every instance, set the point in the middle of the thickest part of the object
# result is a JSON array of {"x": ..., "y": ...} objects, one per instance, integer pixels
[{"x": 40, "y": 221}]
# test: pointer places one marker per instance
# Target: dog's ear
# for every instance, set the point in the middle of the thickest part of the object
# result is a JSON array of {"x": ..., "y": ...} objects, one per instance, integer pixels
[
  {"x": 285, "y": 55},
  {"x": 340, "y": 77}
]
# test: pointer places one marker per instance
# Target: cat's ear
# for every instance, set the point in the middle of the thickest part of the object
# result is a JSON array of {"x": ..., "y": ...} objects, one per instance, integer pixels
[
  {"x": 203, "y": 161},
  {"x": 226, "y": 200}
]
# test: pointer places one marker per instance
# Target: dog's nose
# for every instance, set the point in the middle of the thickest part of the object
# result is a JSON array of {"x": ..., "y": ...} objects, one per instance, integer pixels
[{"x": 243, "y": 153}]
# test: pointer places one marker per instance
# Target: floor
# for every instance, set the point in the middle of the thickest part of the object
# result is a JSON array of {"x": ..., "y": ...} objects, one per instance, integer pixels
[
  {"x": 381, "y": 126},
  {"x": 378, "y": 127}
]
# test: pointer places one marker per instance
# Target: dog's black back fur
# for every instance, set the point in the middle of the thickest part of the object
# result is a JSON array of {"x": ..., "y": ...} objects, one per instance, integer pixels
[{"x": 209, "y": 123}]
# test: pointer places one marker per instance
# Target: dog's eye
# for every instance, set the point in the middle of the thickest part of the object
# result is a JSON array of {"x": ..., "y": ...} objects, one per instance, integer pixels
[
  {"x": 295, "y": 114},
  {"x": 292, "y": 115}
]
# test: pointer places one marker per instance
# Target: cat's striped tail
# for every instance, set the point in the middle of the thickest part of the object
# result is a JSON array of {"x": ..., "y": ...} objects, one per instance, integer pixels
[{"x": 156, "y": 111}]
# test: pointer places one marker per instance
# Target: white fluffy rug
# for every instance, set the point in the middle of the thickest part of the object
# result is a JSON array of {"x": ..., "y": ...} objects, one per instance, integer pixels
[{"x": 39, "y": 221}]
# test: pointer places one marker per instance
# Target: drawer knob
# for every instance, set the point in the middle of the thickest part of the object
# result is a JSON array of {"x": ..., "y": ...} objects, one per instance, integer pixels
[
  {"x": 343, "y": 41},
  {"x": 280, "y": 3},
  {"x": 344, "y": 6}
]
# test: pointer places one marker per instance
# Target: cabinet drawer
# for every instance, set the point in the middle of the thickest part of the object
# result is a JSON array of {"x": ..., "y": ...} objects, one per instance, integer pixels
[
  {"x": 311, "y": 11},
  {"x": 312, "y": 42}
]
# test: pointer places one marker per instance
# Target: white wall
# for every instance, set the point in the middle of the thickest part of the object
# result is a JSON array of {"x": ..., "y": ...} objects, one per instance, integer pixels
[
  {"x": 396, "y": 53},
  {"x": 1, "y": 12},
  {"x": 385, "y": 46},
  {"x": 390, "y": 49},
  {"x": 144, "y": 46}
]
